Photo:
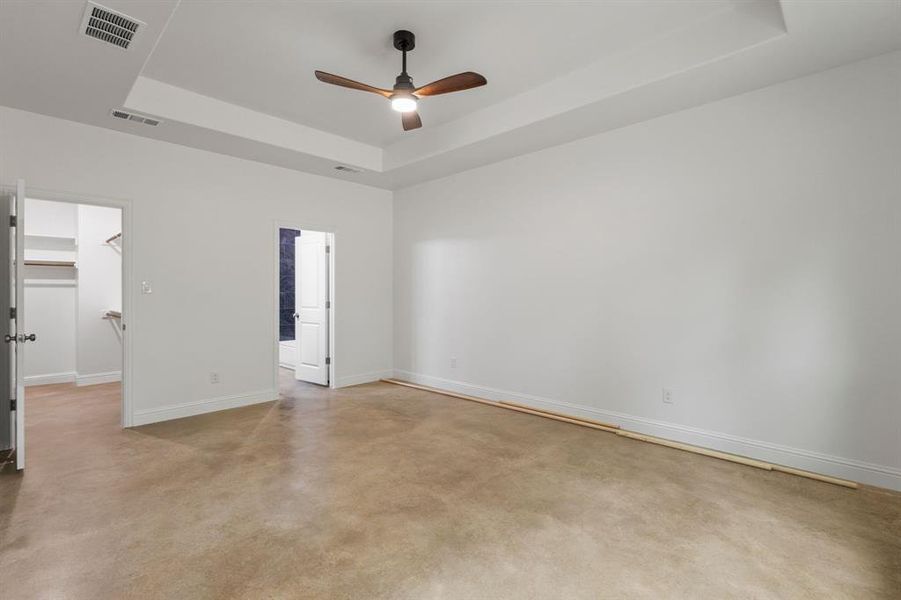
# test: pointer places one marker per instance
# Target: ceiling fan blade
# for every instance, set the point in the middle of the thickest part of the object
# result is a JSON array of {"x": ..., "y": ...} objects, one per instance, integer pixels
[
  {"x": 350, "y": 83},
  {"x": 411, "y": 120},
  {"x": 454, "y": 83}
]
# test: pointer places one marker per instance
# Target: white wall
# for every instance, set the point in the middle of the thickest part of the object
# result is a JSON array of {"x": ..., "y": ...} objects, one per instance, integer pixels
[
  {"x": 742, "y": 253},
  {"x": 56, "y": 219},
  {"x": 204, "y": 237},
  {"x": 50, "y": 231},
  {"x": 99, "y": 345}
]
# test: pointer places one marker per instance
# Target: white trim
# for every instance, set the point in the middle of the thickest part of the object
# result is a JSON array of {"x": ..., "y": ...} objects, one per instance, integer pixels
[
  {"x": 199, "y": 407},
  {"x": 54, "y": 283},
  {"x": 286, "y": 351},
  {"x": 96, "y": 378},
  {"x": 330, "y": 240},
  {"x": 349, "y": 380},
  {"x": 835, "y": 466},
  {"x": 50, "y": 378}
]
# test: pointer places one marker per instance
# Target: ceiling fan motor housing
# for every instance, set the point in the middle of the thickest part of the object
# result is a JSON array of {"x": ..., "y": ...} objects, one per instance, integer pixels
[{"x": 403, "y": 83}]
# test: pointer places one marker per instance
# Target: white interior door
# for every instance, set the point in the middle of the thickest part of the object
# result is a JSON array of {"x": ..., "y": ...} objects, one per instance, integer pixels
[
  {"x": 311, "y": 304},
  {"x": 15, "y": 337},
  {"x": 7, "y": 349}
]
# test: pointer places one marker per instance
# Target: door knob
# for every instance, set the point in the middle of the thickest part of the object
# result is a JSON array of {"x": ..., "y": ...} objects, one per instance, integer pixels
[
  {"x": 296, "y": 315},
  {"x": 8, "y": 338},
  {"x": 27, "y": 337}
]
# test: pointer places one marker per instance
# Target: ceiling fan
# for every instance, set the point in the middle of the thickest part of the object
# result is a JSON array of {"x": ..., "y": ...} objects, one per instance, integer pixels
[{"x": 404, "y": 96}]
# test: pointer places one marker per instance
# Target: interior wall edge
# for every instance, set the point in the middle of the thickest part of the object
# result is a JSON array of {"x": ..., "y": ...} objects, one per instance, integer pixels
[{"x": 835, "y": 466}]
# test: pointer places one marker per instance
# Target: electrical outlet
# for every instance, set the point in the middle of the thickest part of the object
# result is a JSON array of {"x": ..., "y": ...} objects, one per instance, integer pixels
[
  {"x": 214, "y": 377},
  {"x": 667, "y": 396},
  {"x": 453, "y": 362}
]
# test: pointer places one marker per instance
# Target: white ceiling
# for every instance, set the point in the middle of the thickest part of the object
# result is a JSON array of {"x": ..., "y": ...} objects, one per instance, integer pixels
[
  {"x": 47, "y": 66},
  {"x": 235, "y": 77},
  {"x": 263, "y": 57}
]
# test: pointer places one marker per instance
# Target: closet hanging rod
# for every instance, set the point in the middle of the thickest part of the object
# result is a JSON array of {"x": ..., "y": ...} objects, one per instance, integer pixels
[
  {"x": 49, "y": 263},
  {"x": 113, "y": 238}
]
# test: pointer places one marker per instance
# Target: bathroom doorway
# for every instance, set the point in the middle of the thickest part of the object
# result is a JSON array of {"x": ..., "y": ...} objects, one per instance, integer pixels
[{"x": 304, "y": 305}]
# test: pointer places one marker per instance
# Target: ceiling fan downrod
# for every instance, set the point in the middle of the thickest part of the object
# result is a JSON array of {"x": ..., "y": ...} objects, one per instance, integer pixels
[{"x": 404, "y": 41}]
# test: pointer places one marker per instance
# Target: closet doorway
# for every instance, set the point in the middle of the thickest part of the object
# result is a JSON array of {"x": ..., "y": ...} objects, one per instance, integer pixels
[
  {"x": 66, "y": 347},
  {"x": 304, "y": 305}
]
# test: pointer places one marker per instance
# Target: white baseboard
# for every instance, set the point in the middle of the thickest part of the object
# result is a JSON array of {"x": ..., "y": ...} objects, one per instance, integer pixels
[
  {"x": 287, "y": 352},
  {"x": 349, "y": 380},
  {"x": 816, "y": 462},
  {"x": 95, "y": 378},
  {"x": 199, "y": 407},
  {"x": 49, "y": 378}
]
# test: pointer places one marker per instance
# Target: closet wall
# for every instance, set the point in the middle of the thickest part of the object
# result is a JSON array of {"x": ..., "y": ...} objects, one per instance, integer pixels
[
  {"x": 50, "y": 292},
  {"x": 98, "y": 347}
]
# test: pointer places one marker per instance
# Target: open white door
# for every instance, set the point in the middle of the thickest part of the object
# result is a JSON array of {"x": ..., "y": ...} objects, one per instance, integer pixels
[
  {"x": 19, "y": 323},
  {"x": 311, "y": 306},
  {"x": 14, "y": 304},
  {"x": 7, "y": 301}
]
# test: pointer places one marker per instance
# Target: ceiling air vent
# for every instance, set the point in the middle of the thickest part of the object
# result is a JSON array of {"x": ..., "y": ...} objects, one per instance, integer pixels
[
  {"x": 109, "y": 26},
  {"x": 128, "y": 116},
  {"x": 347, "y": 169}
]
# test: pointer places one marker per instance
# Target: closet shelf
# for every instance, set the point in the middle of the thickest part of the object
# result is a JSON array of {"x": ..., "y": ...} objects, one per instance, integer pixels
[
  {"x": 50, "y": 242},
  {"x": 50, "y": 263}
]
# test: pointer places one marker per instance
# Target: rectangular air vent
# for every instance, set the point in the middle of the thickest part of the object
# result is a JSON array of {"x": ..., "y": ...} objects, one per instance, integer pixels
[
  {"x": 109, "y": 26},
  {"x": 128, "y": 116}
]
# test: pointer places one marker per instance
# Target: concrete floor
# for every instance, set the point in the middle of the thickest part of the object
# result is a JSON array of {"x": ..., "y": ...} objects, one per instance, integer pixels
[{"x": 380, "y": 491}]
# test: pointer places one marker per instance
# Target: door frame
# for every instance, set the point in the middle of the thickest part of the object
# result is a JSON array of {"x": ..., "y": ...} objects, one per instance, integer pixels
[
  {"x": 125, "y": 205},
  {"x": 331, "y": 234}
]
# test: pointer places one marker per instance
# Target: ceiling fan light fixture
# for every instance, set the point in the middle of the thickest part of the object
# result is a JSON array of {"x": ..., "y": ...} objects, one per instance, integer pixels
[{"x": 403, "y": 103}]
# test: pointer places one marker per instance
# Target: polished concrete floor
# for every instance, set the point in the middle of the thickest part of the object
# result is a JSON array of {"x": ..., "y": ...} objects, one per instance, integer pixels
[{"x": 380, "y": 491}]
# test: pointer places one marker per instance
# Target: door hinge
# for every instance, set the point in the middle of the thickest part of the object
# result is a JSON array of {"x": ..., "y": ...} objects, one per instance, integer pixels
[
  {"x": 12, "y": 312},
  {"x": 12, "y": 404},
  {"x": 328, "y": 303},
  {"x": 328, "y": 360},
  {"x": 328, "y": 249},
  {"x": 12, "y": 220}
]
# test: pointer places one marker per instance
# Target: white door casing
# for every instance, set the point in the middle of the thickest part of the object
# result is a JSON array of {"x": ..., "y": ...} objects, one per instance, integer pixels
[
  {"x": 17, "y": 332},
  {"x": 311, "y": 295}
]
